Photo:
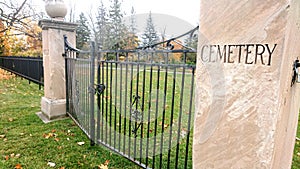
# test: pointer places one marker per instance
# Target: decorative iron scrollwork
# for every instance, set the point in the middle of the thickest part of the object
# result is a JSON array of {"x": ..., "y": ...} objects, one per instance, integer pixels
[{"x": 136, "y": 114}]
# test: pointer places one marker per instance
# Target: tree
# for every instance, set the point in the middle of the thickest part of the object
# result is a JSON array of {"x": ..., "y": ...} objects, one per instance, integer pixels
[
  {"x": 82, "y": 32},
  {"x": 4, "y": 47},
  {"x": 102, "y": 27},
  {"x": 132, "y": 40},
  {"x": 19, "y": 28},
  {"x": 15, "y": 15},
  {"x": 117, "y": 29},
  {"x": 192, "y": 43},
  {"x": 150, "y": 36}
]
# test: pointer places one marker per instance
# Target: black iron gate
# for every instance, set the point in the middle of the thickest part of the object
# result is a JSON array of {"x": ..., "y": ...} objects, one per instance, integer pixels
[{"x": 138, "y": 103}]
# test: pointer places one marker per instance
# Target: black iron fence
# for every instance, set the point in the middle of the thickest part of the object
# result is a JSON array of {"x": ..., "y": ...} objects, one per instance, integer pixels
[
  {"x": 30, "y": 68},
  {"x": 137, "y": 103}
]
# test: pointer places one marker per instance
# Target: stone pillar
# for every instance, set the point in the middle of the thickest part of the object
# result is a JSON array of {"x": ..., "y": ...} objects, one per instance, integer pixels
[
  {"x": 53, "y": 103},
  {"x": 246, "y": 109}
]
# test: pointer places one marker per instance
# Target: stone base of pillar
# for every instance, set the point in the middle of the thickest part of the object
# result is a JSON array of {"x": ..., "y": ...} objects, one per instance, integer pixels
[{"x": 53, "y": 109}]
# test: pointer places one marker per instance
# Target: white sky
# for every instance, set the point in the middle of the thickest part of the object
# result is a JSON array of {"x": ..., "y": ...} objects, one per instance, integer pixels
[{"x": 187, "y": 10}]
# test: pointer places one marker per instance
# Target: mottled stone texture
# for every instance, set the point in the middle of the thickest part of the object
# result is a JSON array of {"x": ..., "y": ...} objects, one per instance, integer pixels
[
  {"x": 246, "y": 110},
  {"x": 53, "y": 103}
]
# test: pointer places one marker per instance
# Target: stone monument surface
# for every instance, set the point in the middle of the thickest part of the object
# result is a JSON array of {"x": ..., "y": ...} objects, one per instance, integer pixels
[{"x": 246, "y": 108}]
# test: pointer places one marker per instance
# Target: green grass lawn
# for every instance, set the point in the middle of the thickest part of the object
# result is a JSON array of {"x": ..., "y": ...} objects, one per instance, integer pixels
[{"x": 25, "y": 141}]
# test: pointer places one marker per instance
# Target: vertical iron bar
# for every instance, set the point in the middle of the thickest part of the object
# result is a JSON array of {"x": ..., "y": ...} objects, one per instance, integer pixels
[
  {"x": 116, "y": 95},
  {"x": 149, "y": 111},
  {"x": 189, "y": 120},
  {"x": 120, "y": 107},
  {"x": 180, "y": 115},
  {"x": 110, "y": 103},
  {"x": 102, "y": 103},
  {"x": 156, "y": 114},
  {"x": 92, "y": 79},
  {"x": 130, "y": 110},
  {"x": 137, "y": 102},
  {"x": 106, "y": 103},
  {"x": 98, "y": 101},
  {"x": 125, "y": 104},
  {"x": 67, "y": 81},
  {"x": 142, "y": 109},
  {"x": 172, "y": 116},
  {"x": 163, "y": 118}
]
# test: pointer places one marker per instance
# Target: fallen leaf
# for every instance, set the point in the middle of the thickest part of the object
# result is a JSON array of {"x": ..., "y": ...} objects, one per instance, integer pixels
[
  {"x": 5, "y": 139},
  {"x": 17, "y": 155},
  {"x": 2, "y": 136},
  {"x": 106, "y": 162},
  {"x": 62, "y": 168},
  {"x": 102, "y": 166},
  {"x": 56, "y": 139},
  {"x": 80, "y": 143},
  {"x": 6, "y": 158},
  {"x": 166, "y": 126},
  {"x": 49, "y": 135},
  {"x": 51, "y": 164},
  {"x": 10, "y": 119},
  {"x": 84, "y": 156},
  {"x": 12, "y": 155},
  {"x": 18, "y": 166},
  {"x": 53, "y": 131}
]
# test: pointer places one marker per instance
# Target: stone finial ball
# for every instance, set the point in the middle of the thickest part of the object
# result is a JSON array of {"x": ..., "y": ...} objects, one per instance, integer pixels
[{"x": 56, "y": 8}]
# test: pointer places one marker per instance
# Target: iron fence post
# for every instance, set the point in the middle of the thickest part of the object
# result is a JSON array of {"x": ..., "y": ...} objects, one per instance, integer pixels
[{"x": 92, "y": 92}]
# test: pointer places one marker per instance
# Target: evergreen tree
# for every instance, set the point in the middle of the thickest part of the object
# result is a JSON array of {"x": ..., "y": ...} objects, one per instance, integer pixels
[
  {"x": 117, "y": 29},
  {"x": 102, "y": 27},
  {"x": 150, "y": 36},
  {"x": 132, "y": 40},
  {"x": 132, "y": 26},
  {"x": 83, "y": 32}
]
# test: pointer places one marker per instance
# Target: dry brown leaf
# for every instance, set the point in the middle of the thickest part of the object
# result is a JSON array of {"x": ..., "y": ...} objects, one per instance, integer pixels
[
  {"x": 10, "y": 119},
  {"x": 49, "y": 135},
  {"x": 6, "y": 158},
  {"x": 18, "y": 166},
  {"x": 2, "y": 136},
  {"x": 166, "y": 126},
  {"x": 56, "y": 139},
  {"x": 106, "y": 162}
]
